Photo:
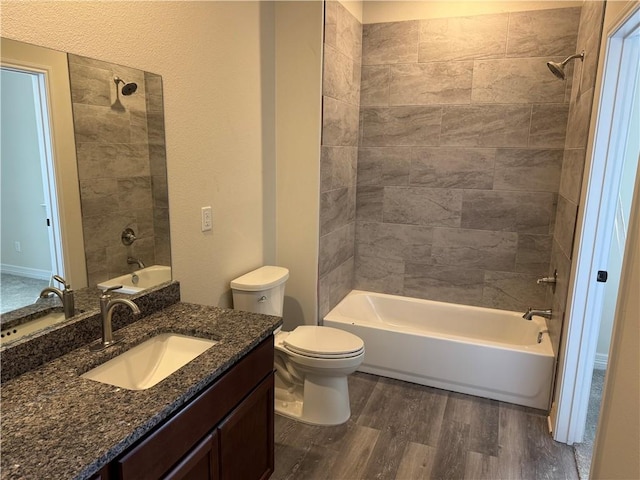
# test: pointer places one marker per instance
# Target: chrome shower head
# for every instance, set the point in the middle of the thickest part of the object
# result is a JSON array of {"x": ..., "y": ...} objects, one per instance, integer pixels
[
  {"x": 558, "y": 68},
  {"x": 127, "y": 88}
]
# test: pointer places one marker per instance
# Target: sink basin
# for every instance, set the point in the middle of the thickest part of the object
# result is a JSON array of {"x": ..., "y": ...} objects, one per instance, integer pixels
[
  {"x": 139, "y": 280},
  {"x": 152, "y": 361}
]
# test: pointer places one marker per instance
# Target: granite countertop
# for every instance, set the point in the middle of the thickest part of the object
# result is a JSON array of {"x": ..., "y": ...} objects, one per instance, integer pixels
[{"x": 56, "y": 424}]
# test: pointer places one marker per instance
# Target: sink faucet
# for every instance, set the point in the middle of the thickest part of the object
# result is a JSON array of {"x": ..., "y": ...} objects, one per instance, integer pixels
[
  {"x": 542, "y": 313},
  {"x": 133, "y": 261},
  {"x": 66, "y": 296},
  {"x": 107, "y": 305}
]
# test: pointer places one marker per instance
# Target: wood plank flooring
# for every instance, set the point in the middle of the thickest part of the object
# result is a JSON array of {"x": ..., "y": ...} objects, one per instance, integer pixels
[{"x": 400, "y": 430}]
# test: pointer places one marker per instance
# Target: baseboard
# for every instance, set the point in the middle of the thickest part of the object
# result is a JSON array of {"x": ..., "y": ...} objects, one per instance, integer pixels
[
  {"x": 26, "y": 271},
  {"x": 601, "y": 361}
]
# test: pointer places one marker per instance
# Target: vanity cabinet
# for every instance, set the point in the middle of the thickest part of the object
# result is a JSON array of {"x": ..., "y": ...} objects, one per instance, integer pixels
[{"x": 226, "y": 432}]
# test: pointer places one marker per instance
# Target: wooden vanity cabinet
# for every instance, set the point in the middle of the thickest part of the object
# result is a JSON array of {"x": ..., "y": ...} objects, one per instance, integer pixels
[{"x": 226, "y": 432}]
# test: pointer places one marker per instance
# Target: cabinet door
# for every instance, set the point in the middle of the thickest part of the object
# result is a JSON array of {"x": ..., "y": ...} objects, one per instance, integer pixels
[
  {"x": 199, "y": 464},
  {"x": 247, "y": 437}
]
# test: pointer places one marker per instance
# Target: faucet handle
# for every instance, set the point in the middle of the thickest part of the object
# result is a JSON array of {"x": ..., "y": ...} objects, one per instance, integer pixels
[
  {"x": 61, "y": 280},
  {"x": 107, "y": 291}
]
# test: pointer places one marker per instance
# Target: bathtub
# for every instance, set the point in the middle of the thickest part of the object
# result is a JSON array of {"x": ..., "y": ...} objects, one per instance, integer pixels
[{"x": 478, "y": 351}]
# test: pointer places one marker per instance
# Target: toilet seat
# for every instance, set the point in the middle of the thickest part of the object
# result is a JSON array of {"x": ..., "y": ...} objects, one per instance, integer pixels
[{"x": 323, "y": 342}]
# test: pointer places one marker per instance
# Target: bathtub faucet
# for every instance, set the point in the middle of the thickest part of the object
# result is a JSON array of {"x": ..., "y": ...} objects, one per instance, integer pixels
[{"x": 542, "y": 313}]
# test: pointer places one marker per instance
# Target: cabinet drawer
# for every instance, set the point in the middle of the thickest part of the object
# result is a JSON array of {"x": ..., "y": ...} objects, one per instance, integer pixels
[{"x": 163, "y": 448}]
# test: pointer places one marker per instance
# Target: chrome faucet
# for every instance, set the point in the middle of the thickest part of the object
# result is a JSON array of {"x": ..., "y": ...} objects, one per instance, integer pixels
[
  {"x": 541, "y": 313},
  {"x": 66, "y": 296},
  {"x": 133, "y": 261},
  {"x": 107, "y": 305}
]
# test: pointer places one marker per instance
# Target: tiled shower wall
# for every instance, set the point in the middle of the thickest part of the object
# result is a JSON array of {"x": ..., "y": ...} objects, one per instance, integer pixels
[
  {"x": 582, "y": 93},
  {"x": 120, "y": 167},
  {"x": 340, "y": 112},
  {"x": 462, "y": 130}
]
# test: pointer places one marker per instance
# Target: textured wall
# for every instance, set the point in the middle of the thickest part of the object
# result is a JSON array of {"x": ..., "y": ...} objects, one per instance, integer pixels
[
  {"x": 574, "y": 155},
  {"x": 340, "y": 125},
  {"x": 116, "y": 138},
  {"x": 216, "y": 60},
  {"x": 462, "y": 130}
]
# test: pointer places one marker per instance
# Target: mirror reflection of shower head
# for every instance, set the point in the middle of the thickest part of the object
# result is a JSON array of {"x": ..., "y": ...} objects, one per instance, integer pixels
[
  {"x": 558, "y": 68},
  {"x": 127, "y": 88}
]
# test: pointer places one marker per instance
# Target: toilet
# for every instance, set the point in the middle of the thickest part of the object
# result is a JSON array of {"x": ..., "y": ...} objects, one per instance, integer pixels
[{"x": 311, "y": 362}]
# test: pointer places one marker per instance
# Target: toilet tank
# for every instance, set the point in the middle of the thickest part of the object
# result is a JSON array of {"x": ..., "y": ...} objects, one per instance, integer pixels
[{"x": 260, "y": 291}]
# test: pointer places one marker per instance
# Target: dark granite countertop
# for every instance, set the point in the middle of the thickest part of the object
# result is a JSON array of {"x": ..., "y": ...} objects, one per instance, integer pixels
[{"x": 56, "y": 424}]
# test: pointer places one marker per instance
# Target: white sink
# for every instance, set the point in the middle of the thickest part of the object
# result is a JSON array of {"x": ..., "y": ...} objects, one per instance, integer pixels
[
  {"x": 139, "y": 280},
  {"x": 150, "y": 362}
]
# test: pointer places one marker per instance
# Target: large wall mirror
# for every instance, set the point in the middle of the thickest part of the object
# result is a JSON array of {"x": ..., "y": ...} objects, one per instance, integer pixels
[{"x": 84, "y": 178}]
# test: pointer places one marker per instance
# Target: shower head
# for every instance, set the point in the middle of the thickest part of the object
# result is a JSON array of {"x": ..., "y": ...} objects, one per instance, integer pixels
[
  {"x": 127, "y": 88},
  {"x": 558, "y": 68}
]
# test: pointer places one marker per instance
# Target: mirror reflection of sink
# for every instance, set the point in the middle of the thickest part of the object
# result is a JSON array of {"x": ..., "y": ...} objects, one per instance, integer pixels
[
  {"x": 139, "y": 280},
  {"x": 152, "y": 361},
  {"x": 18, "y": 331}
]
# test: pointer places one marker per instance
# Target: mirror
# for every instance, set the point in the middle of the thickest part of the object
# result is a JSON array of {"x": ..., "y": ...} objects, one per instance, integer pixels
[{"x": 119, "y": 175}]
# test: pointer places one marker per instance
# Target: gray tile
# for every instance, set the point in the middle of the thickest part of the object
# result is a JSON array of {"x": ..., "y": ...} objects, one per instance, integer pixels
[
  {"x": 336, "y": 248},
  {"x": 463, "y": 38},
  {"x": 528, "y": 170},
  {"x": 391, "y": 42},
  {"x": 160, "y": 191},
  {"x": 90, "y": 85},
  {"x": 153, "y": 84},
  {"x": 341, "y": 76},
  {"x": 379, "y": 275},
  {"x": 542, "y": 33},
  {"x": 548, "y": 125},
  {"x": 525, "y": 212},
  {"x": 331, "y": 22},
  {"x": 358, "y": 448},
  {"x": 411, "y": 125},
  {"x": 430, "y": 83},
  {"x": 534, "y": 254},
  {"x": 572, "y": 171},
  {"x": 374, "y": 87},
  {"x": 155, "y": 128},
  {"x": 348, "y": 34},
  {"x": 384, "y": 165},
  {"x": 589, "y": 39},
  {"x": 481, "y": 467},
  {"x": 443, "y": 283},
  {"x": 339, "y": 123},
  {"x": 337, "y": 167},
  {"x": 474, "y": 249},
  {"x": 369, "y": 201},
  {"x": 485, "y": 125},
  {"x": 442, "y": 167},
  {"x": 98, "y": 194},
  {"x": 340, "y": 281},
  {"x": 158, "y": 160},
  {"x": 100, "y": 124},
  {"x": 484, "y": 426},
  {"x": 565, "y": 225},
  {"x": 515, "y": 80},
  {"x": 134, "y": 191},
  {"x": 96, "y": 160},
  {"x": 512, "y": 291},
  {"x": 578, "y": 122},
  {"x": 133, "y": 160},
  {"x": 337, "y": 208},
  {"x": 450, "y": 461},
  {"x": 422, "y": 206},
  {"x": 562, "y": 264},
  {"x": 394, "y": 241}
]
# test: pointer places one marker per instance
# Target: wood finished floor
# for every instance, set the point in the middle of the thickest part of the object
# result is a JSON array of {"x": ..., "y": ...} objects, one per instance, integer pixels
[{"x": 400, "y": 430}]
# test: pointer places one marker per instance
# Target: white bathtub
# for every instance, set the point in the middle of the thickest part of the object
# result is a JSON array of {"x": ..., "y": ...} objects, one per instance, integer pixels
[{"x": 479, "y": 351}]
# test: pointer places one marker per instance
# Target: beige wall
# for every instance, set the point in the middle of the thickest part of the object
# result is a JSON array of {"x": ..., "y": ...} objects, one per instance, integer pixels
[
  {"x": 395, "y": 11},
  {"x": 298, "y": 117},
  {"x": 216, "y": 62}
]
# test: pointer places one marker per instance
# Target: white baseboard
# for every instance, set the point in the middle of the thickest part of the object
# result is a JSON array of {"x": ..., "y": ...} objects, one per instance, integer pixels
[
  {"x": 26, "y": 271},
  {"x": 601, "y": 361}
]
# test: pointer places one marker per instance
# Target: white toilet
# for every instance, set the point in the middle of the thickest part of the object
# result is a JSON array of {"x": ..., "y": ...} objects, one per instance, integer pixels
[{"x": 311, "y": 362}]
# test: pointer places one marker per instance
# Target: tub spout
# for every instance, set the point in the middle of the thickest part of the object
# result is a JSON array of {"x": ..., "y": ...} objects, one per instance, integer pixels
[
  {"x": 540, "y": 333},
  {"x": 528, "y": 315}
]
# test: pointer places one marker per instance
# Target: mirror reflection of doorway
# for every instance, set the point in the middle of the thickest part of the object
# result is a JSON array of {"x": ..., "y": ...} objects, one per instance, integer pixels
[{"x": 29, "y": 253}]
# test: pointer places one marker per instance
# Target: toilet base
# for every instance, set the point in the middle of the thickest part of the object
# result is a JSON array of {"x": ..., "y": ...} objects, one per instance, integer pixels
[{"x": 323, "y": 400}]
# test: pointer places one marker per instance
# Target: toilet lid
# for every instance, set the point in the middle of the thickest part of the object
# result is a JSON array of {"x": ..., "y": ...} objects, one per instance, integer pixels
[{"x": 323, "y": 342}]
